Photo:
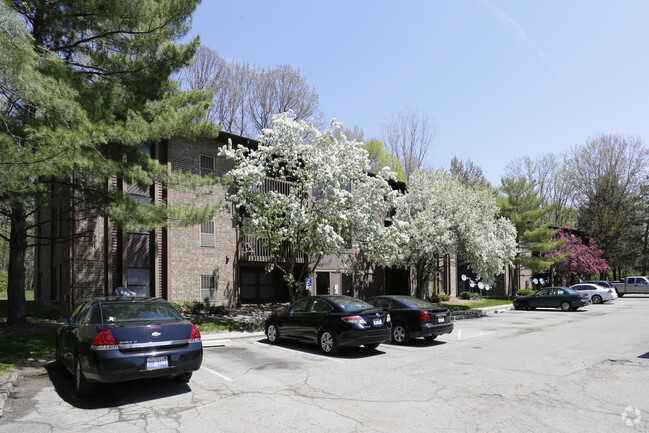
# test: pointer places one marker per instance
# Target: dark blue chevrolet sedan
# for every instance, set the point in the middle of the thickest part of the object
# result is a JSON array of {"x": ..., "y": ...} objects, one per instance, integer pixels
[{"x": 108, "y": 340}]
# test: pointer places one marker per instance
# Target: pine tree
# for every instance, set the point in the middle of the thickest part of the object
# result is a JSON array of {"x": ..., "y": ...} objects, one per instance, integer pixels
[
  {"x": 84, "y": 85},
  {"x": 519, "y": 202}
]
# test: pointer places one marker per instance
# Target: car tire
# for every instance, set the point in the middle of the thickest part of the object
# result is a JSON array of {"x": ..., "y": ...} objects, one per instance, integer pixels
[
  {"x": 272, "y": 333},
  {"x": 372, "y": 346},
  {"x": 400, "y": 333},
  {"x": 430, "y": 337},
  {"x": 183, "y": 377},
  {"x": 328, "y": 342},
  {"x": 596, "y": 299},
  {"x": 82, "y": 387},
  {"x": 565, "y": 306}
]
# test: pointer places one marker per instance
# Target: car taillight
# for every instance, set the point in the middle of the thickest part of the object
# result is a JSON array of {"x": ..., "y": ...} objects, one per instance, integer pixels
[
  {"x": 583, "y": 297},
  {"x": 610, "y": 290},
  {"x": 195, "y": 335},
  {"x": 104, "y": 341},
  {"x": 355, "y": 320},
  {"x": 424, "y": 316}
]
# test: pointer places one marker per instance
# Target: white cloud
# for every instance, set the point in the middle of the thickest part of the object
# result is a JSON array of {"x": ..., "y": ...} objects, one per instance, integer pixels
[{"x": 510, "y": 22}]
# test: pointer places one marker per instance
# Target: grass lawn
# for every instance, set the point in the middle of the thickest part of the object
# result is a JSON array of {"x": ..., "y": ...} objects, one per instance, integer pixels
[
  {"x": 490, "y": 301},
  {"x": 27, "y": 344}
]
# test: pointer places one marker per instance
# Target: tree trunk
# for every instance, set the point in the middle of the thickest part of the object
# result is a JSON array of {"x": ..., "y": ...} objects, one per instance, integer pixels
[{"x": 16, "y": 310}]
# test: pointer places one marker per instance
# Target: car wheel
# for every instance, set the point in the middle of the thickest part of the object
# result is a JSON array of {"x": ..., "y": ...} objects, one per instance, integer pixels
[
  {"x": 82, "y": 387},
  {"x": 430, "y": 337},
  {"x": 565, "y": 306},
  {"x": 596, "y": 299},
  {"x": 400, "y": 334},
  {"x": 371, "y": 346},
  {"x": 328, "y": 342},
  {"x": 272, "y": 333},
  {"x": 183, "y": 377},
  {"x": 524, "y": 305},
  {"x": 619, "y": 295}
]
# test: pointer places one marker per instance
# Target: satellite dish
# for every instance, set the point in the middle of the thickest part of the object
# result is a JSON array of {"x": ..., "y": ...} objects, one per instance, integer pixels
[
  {"x": 542, "y": 281},
  {"x": 481, "y": 285},
  {"x": 471, "y": 283},
  {"x": 463, "y": 277},
  {"x": 535, "y": 281},
  {"x": 487, "y": 287}
]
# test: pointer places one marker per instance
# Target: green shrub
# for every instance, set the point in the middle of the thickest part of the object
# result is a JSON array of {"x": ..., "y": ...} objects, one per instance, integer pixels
[
  {"x": 218, "y": 310},
  {"x": 177, "y": 306},
  {"x": 454, "y": 307},
  {"x": 475, "y": 296},
  {"x": 194, "y": 307},
  {"x": 465, "y": 295},
  {"x": 439, "y": 298},
  {"x": 524, "y": 292}
]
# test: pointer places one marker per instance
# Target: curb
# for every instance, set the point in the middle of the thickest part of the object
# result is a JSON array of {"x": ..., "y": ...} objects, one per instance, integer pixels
[
  {"x": 7, "y": 381},
  {"x": 220, "y": 338},
  {"x": 480, "y": 312}
]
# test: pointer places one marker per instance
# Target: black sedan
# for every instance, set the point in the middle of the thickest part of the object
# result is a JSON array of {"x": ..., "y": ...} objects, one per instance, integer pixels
[
  {"x": 413, "y": 317},
  {"x": 552, "y": 297},
  {"x": 108, "y": 340},
  {"x": 331, "y": 322}
]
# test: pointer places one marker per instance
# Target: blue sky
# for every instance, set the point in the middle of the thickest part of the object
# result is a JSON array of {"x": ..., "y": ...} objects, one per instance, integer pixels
[{"x": 502, "y": 79}]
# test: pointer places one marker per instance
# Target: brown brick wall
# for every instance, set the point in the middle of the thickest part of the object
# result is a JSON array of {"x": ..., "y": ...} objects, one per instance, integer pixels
[{"x": 187, "y": 260}]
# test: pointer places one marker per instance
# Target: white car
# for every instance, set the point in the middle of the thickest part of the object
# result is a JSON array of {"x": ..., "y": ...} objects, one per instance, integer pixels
[{"x": 596, "y": 294}]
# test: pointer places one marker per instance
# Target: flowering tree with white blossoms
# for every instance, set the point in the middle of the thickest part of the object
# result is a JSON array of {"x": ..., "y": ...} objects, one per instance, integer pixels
[
  {"x": 305, "y": 194},
  {"x": 439, "y": 216}
]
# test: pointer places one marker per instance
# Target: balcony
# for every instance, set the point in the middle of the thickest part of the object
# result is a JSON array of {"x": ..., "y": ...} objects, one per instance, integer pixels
[{"x": 251, "y": 249}]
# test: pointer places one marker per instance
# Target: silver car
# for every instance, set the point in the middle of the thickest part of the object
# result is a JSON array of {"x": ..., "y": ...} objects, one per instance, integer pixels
[{"x": 596, "y": 293}]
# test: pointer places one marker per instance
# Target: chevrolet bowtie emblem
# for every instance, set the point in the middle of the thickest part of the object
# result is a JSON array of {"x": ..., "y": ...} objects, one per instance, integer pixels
[{"x": 156, "y": 334}]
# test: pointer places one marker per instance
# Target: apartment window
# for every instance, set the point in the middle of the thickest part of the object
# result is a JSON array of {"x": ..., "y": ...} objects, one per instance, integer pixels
[
  {"x": 207, "y": 165},
  {"x": 208, "y": 289},
  {"x": 208, "y": 234}
]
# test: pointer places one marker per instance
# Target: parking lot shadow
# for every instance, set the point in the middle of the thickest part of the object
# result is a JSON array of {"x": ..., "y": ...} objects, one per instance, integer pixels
[
  {"x": 312, "y": 349},
  {"x": 114, "y": 395}
]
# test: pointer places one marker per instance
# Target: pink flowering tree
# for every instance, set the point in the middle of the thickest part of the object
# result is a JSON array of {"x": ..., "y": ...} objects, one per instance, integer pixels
[{"x": 581, "y": 260}]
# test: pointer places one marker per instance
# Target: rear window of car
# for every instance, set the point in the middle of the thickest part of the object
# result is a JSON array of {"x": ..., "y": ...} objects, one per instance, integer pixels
[
  {"x": 415, "y": 303},
  {"x": 352, "y": 304},
  {"x": 138, "y": 312}
]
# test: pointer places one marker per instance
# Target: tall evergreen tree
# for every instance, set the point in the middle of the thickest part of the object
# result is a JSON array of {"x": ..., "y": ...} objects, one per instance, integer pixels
[
  {"x": 520, "y": 203},
  {"x": 83, "y": 85}
]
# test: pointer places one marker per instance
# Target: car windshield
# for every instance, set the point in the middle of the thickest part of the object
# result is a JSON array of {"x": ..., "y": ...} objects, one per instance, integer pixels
[
  {"x": 414, "y": 302},
  {"x": 351, "y": 304},
  {"x": 115, "y": 313}
]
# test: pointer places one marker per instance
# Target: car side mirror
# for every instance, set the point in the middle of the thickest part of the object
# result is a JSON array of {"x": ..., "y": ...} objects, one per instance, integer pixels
[{"x": 62, "y": 319}]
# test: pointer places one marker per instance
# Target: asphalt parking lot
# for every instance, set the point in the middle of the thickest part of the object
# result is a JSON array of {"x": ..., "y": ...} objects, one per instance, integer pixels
[{"x": 518, "y": 371}]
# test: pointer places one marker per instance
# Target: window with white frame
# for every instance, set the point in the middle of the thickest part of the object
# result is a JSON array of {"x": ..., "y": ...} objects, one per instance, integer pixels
[
  {"x": 208, "y": 234},
  {"x": 208, "y": 289},
  {"x": 208, "y": 164}
]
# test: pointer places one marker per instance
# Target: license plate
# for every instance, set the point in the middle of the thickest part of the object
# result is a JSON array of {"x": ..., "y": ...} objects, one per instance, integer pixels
[
  {"x": 157, "y": 362},
  {"x": 440, "y": 320},
  {"x": 377, "y": 322}
]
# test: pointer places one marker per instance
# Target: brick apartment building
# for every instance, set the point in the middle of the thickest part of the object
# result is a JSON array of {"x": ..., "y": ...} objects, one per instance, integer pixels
[{"x": 212, "y": 262}]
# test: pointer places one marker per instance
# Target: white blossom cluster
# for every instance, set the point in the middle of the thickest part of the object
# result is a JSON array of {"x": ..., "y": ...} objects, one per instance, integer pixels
[
  {"x": 321, "y": 199},
  {"x": 312, "y": 190},
  {"x": 440, "y": 216}
]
